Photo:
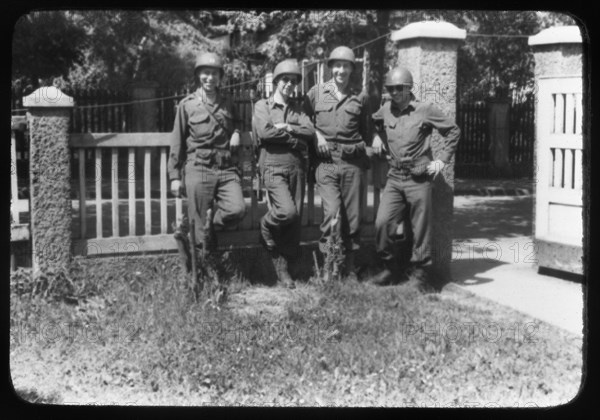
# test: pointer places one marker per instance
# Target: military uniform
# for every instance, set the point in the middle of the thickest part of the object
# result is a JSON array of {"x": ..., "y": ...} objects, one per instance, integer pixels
[
  {"x": 199, "y": 149},
  {"x": 408, "y": 184},
  {"x": 341, "y": 179},
  {"x": 282, "y": 166}
]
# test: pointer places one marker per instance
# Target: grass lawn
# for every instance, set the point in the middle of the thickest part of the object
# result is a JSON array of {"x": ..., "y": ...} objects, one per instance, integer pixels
[{"x": 128, "y": 331}]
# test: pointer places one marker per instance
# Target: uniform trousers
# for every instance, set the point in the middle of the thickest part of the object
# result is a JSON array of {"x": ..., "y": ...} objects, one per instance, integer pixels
[
  {"x": 403, "y": 193},
  {"x": 207, "y": 184},
  {"x": 284, "y": 176},
  {"x": 340, "y": 184}
]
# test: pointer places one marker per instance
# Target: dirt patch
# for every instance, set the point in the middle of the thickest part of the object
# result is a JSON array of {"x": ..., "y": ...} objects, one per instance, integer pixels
[{"x": 271, "y": 302}]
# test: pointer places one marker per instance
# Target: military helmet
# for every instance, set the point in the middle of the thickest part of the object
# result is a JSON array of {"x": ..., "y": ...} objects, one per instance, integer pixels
[
  {"x": 398, "y": 76},
  {"x": 289, "y": 66},
  {"x": 209, "y": 60},
  {"x": 341, "y": 53}
]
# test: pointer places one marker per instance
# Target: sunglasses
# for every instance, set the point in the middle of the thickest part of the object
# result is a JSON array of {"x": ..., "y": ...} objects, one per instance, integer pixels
[
  {"x": 399, "y": 88},
  {"x": 287, "y": 80}
]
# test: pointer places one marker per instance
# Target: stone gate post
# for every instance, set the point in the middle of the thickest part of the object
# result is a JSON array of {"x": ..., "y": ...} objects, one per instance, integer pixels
[{"x": 50, "y": 176}]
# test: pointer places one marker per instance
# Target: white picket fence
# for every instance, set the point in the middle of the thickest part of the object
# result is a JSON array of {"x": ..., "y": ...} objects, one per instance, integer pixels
[{"x": 126, "y": 237}]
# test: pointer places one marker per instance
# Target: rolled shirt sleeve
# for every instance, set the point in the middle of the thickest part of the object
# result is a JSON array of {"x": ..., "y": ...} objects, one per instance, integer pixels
[
  {"x": 446, "y": 127},
  {"x": 300, "y": 125},
  {"x": 264, "y": 127}
]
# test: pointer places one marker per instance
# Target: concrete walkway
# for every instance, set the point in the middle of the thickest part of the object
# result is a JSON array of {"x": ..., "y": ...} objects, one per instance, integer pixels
[{"x": 496, "y": 259}]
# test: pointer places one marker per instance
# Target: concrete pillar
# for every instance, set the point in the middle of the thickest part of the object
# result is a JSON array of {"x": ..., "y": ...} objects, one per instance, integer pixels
[
  {"x": 144, "y": 114},
  {"x": 499, "y": 134},
  {"x": 49, "y": 178},
  {"x": 559, "y": 224},
  {"x": 429, "y": 50}
]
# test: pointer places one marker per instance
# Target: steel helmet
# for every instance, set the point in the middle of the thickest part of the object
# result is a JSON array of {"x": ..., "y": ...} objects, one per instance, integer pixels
[
  {"x": 289, "y": 66},
  {"x": 398, "y": 76},
  {"x": 341, "y": 53},
  {"x": 209, "y": 60}
]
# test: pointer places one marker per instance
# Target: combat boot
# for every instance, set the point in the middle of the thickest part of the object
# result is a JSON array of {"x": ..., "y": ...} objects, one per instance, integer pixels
[
  {"x": 281, "y": 269},
  {"x": 423, "y": 280},
  {"x": 266, "y": 237},
  {"x": 391, "y": 274}
]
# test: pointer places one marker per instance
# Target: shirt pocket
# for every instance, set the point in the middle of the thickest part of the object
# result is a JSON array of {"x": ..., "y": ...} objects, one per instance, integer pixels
[
  {"x": 351, "y": 117},
  {"x": 199, "y": 124},
  {"x": 390, "y": 122},
  {"x": 323, "y": 115}
]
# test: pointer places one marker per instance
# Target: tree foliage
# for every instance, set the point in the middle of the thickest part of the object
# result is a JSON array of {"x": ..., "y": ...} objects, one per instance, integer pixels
[
  {"x": 45, "y": 44},
  {"x": 113, "y": 48}
]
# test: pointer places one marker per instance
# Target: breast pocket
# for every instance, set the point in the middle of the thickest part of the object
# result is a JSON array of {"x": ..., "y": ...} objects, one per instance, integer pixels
[
  {"x": 323, "y": 117},
  {"x": 199, "y": 124},
  {"x": 390, "y": 127},
  {"x": 351, "y": 118}
]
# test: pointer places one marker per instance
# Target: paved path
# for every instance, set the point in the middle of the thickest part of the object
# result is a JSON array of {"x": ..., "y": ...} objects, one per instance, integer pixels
[{"x": 495, "y": 258}]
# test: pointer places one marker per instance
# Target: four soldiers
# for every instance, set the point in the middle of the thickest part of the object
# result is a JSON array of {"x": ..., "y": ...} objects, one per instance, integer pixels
[{"x": 335, "y": 123}]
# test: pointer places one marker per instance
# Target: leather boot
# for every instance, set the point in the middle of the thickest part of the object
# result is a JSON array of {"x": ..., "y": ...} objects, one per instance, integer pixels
[
  {"x": 281, "y": 269},
  {"x": 423, "y": 279},
  {"x": 389, "y": 275}
]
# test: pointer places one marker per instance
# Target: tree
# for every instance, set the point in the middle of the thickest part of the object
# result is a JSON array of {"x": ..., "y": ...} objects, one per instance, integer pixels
[
  {"x": 45, "y": 45},
  {"x": 113, "y": 48}
]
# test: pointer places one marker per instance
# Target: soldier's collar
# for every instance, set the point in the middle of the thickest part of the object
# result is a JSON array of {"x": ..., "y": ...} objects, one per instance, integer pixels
[
  {"x": 273, "y": 103},
  {"x": 202, "y": 97},
  {"x": 412, "y": 104}
]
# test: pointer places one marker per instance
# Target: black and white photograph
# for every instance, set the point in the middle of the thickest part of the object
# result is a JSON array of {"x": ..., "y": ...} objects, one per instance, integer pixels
[{"x": 299, "y": 208}]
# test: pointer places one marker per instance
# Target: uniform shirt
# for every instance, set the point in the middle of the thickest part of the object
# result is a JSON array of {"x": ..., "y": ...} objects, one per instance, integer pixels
[
  {"x": 344, "y": 120},
  {"x": 195, "y": 128},
  {"x": 408, "y": 130},
  {"x": 268, "y": 112}
]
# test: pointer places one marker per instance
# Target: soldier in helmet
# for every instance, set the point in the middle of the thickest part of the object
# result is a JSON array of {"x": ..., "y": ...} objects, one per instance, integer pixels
[
  {"x": 342, "y": 118},
  {"x": 284, "y": 131},
  {"x": 403, "y": 126},
  {"x": 203, "y": 148}
]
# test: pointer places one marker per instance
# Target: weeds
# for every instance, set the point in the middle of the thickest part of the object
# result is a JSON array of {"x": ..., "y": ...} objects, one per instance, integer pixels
[{"x": 137, "y": 332}]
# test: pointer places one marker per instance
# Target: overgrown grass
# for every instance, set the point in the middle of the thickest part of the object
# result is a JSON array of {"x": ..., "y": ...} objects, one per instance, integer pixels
[{"x": 130, "y": 332}]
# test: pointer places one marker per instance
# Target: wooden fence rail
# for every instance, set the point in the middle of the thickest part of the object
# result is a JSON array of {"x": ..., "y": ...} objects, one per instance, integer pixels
[{"x": 146, "y": 224}]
